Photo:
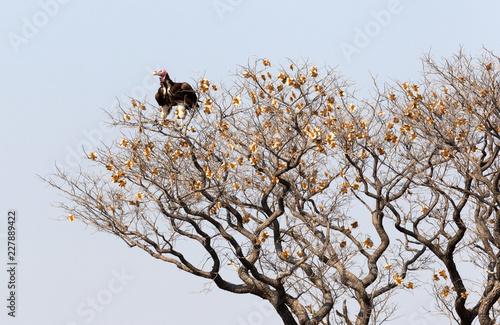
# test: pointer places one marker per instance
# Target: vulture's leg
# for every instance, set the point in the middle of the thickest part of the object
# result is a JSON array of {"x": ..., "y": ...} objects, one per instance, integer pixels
[
  {"x": 180, "y": 113},
  {"x": 165, "y": 110}
]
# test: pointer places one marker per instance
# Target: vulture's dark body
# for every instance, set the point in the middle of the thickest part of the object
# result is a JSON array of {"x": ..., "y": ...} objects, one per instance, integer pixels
[{"x": 174, "y": 93}]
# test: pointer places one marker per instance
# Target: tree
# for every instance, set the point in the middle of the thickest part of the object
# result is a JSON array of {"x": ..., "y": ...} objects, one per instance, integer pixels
[
  {"x": 291, "y": 188},
  {"x": 455, "y": 123}
]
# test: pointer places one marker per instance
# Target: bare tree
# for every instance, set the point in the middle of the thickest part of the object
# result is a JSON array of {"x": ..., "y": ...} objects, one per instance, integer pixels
[{"x": 287, "y": 186}]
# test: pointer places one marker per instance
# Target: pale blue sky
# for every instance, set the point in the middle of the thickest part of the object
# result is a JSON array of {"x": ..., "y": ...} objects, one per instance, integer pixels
[{"x": 62, "y": 61}]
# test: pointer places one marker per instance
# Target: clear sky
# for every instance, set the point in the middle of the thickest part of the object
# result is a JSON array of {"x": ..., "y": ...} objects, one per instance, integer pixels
[{"x": 63, "y": 61}]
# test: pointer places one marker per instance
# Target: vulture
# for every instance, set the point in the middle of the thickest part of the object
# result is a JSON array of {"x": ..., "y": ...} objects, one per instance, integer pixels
[{"x": 172, "y": 94}]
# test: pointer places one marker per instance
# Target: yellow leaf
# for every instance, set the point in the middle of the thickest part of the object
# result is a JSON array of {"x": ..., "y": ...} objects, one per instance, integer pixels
[
  {"x": 236, "y": 101},
  {"x": 224, "y": 126},
  {"x": 313, "y": 72},
  {"x": 207, "y": 109},
  {"x": 204, "y": 84},
  {"x": 368, "y": 243},
  {"x": 71, "y": 217},
  {"x": 445, "y": 153},
  {"x": 397, "y": 279}
]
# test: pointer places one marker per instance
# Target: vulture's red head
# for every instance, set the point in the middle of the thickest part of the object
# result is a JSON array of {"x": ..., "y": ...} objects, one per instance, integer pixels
[{"x": 162, "y": 73}]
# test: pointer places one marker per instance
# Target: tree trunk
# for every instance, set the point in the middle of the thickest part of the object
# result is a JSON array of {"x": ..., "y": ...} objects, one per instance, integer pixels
[
  {"x": 286, "y": 315},
  {"x": 365, "y": 312}
]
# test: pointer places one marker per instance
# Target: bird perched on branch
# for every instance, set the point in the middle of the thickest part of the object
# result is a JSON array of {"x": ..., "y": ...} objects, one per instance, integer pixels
[{"x": 171, "y": 94}]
